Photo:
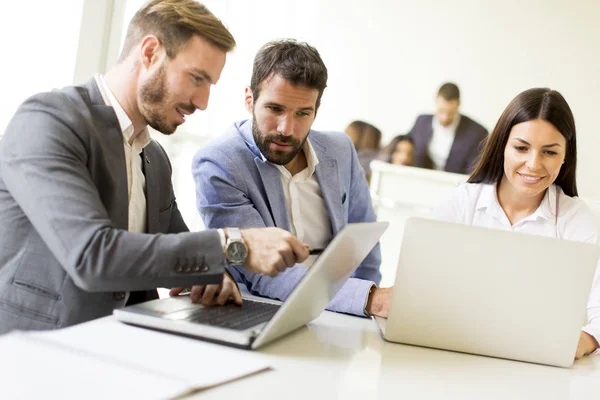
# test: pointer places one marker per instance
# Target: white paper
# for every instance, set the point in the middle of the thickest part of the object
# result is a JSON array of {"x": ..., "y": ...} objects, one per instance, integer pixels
[
  {"x": 164, "y": 363},
  {"x": 33, "y": 369}
]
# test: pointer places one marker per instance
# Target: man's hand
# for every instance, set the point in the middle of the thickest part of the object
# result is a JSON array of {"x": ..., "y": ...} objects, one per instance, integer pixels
[
  {"x": 224, "y": 291},
  {"x": 379, "y": 302},
  {"x": 272, "y": 250},
  {"x": 587, "y": 344}
]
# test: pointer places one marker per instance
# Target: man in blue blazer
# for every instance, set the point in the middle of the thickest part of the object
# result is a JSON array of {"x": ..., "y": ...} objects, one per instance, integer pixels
[
  {"x": 274, "y": 170},
  {"x": 447, "y": 140}
]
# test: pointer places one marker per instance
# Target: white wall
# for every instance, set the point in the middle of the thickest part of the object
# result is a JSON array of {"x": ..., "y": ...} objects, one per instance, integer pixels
[{"x": 386, "y": 59}]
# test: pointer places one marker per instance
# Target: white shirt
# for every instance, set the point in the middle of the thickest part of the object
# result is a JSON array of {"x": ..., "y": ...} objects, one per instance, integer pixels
[
  {"x": 136, "y": 181},
  {"x": 477, "y": 204},
  {"x": 307, "y": 213},
  {"x": 441, "y": 141}
]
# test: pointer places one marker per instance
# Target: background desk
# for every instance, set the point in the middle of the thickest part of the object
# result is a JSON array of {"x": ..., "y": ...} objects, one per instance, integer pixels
[{"x": 344, "y": 357}]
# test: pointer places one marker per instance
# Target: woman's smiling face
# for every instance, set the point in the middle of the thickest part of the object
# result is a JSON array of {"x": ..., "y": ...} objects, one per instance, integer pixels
[{"x": 533, "y": 156}]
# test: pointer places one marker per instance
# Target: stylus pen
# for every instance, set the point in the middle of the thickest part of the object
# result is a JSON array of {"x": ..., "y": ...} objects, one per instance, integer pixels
[{"x": 314, "y": 252}]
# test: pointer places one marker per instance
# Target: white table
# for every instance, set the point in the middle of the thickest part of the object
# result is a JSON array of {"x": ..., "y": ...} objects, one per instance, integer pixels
[
  {"x": 341, "y": 357},
  {"x": 344, "y": 357}
]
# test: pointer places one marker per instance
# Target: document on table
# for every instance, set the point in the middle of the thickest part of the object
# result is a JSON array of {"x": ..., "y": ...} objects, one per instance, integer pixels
[{"x": 105, "y": 358}]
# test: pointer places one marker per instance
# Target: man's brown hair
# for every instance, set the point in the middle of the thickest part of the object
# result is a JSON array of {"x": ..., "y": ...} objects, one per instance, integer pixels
[
  {"x": 297, "y": 62},
  {"x": 449, "y": 91},
  {"x": 174, "y": 22}
]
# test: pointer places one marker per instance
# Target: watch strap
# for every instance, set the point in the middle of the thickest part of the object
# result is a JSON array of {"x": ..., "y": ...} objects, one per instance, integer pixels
[{"x": 234, "y": 234}]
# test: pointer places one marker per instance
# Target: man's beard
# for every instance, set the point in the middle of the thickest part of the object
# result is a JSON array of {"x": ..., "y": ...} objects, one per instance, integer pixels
[
  {"x": 152, "y": 103},
  {"x": 278, "y": 157}
]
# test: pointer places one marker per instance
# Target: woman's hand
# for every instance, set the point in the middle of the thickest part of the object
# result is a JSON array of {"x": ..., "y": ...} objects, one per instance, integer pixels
[{"x": 587, "y": 344}]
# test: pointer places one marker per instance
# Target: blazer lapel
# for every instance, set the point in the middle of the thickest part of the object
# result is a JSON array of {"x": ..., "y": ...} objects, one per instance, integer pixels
[
  {"x": 423, "y": 159},
  {"x": 106, "y": 122},
  {"x": 328, "y": 177},
  {"x": 149, "y": 168},
  {"x": 270, "y": 178},
  {"x": 273, "y": 193},
  {"x": 457, "y": 151}
]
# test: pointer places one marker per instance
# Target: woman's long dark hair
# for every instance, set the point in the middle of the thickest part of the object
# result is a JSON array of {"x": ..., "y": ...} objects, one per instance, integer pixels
[{"x": 548, "y": 105}]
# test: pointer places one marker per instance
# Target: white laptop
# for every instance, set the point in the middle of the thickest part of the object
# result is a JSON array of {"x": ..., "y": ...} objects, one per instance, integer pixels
[
  {"x": 490, "y": 292},
  {"x": 257, "y": 323}
]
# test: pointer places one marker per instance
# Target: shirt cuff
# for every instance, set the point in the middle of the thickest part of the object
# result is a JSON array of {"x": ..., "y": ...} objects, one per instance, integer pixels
[
  {"x": 222, "y": 237},
  {"x": 352, "y": 297},
  {"x": 371, "y": 288}
]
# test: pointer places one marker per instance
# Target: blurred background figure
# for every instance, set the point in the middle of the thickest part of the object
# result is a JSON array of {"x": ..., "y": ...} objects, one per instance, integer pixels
[
  {"x": 447, "y": 140},
  {"x": 367, "y": 140},
  {"x": 400, "y": 151}
]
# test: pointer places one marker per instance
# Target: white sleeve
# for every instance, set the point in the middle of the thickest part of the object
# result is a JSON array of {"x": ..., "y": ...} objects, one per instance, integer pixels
[
  {"x": 593, "y": 310},
  {"x": 582, "y": 226}
]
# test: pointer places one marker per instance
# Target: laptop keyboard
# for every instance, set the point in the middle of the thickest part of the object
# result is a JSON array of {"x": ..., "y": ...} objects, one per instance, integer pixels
[{"x": 230, "y": 316}]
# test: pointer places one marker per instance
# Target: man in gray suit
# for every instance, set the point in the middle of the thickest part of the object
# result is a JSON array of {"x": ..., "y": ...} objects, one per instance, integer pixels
[
  {"x": 87, "y": 211},
  {"x": 447, "y": 140}
]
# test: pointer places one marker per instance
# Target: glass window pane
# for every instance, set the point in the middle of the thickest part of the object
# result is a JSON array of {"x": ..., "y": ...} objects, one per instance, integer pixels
[{"x": 40, "y": 48}]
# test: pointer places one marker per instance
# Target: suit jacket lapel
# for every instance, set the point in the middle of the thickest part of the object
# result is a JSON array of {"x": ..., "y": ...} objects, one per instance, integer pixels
[
  {"x": 329, "y": 182},
  {"x": 150, "y": 172},
  {"x": 457, "y": 151},
  {"x": 106, "y": 122},
  {"x": 428, "y": 135},
  {"x": 424, "y": 160},
  {"x": 273, "y": 193},
  {"x": 270, "y": 178}
]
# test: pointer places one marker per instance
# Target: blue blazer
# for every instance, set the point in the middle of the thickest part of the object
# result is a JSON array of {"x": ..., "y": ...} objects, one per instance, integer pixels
[{"x": 235, "y": 187}]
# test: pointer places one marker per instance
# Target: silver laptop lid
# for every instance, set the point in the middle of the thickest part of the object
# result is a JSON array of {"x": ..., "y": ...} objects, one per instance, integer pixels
[
  {"x": 490, "y": 292},
  {"x": 331, "y": 270}
]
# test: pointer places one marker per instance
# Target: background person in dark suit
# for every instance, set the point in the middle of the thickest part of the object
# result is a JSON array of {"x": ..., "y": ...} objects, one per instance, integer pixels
[{"x": 447, "y": 140}]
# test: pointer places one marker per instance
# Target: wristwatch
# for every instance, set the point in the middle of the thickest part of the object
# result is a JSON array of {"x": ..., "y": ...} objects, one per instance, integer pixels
[{"x": 236, "y": 250}]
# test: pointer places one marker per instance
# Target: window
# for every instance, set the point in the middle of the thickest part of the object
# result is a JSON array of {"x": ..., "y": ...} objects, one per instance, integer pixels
[{"x": 40, "y": 48}]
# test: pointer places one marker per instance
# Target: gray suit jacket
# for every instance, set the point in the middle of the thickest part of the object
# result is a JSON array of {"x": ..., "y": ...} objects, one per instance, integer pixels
[
  {"x": 467, "y": 144},
  {"x": 65, "y": 253}
]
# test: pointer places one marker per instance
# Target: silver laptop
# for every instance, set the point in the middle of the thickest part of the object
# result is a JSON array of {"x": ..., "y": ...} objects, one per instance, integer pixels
[
  {"x": 257, "y": 323},
  {"x": 490, "y": 292}
]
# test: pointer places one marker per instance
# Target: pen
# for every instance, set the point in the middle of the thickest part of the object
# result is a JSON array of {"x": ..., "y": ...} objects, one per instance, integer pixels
[{"x": 314, "y": 252}]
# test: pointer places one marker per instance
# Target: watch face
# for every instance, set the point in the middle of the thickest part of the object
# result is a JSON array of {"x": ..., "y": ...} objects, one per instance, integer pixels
[{"x": 237, "y": 252}]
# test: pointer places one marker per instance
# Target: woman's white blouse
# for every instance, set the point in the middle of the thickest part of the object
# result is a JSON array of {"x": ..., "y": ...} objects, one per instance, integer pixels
[{"x": 477, "y": 204}]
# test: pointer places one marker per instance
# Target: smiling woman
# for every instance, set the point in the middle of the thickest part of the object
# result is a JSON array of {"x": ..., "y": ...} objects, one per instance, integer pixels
[
  {"x": 525, "y": 182},
  {"x": 532, "y": 146}
]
